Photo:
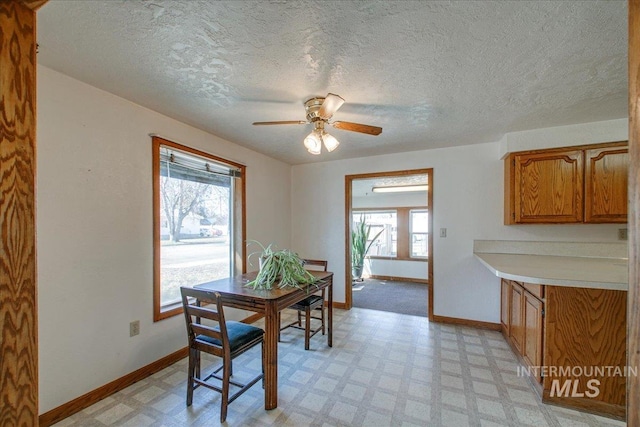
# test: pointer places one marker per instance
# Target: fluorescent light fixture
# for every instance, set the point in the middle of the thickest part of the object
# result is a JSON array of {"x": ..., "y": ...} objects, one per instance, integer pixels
[{"x": 399, "y": 188}]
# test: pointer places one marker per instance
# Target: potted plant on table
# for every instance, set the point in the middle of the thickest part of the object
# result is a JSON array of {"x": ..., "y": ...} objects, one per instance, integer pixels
[
  {"x": 359, "y": 246},
  {"x": 282, "y": 266}
]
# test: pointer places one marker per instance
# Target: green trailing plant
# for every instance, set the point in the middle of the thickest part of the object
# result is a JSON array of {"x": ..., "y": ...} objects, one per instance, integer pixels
[
  {"x": 359, "y": 246},
  {"x": 279, "y": 266}
]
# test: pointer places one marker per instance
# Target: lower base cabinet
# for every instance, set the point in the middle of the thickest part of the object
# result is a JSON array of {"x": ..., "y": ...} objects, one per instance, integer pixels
[
  {"x": 533, "y": 331},
  {"x": 573, "y": 342},
  {"x": 524, "y": 328},
  {"x": 516, "y": 328}
]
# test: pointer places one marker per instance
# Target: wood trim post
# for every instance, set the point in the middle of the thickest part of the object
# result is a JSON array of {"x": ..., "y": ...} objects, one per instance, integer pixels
[
  {"x": 18, "y": 299},
  {"x": 348, "y": 276},
  {"x": 633, "y": 296}
]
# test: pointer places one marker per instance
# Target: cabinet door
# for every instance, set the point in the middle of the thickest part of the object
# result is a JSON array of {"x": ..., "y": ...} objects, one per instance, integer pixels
[
  {"x": 606, "y": 171},
  {"x": 533, "y": 313},
  {"x": 505, "y": 304},
  {"x": 548, "y": 187},
  {"x": 587, "y": 327},
  {"x": 516, "y": 327}
]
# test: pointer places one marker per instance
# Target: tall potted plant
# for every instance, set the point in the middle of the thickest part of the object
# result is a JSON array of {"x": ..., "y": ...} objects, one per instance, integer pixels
[{"x": 359, "y": 246}]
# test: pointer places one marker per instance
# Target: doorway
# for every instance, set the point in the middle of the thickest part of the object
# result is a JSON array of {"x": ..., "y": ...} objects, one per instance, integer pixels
[{"x": 395, "y": 210}]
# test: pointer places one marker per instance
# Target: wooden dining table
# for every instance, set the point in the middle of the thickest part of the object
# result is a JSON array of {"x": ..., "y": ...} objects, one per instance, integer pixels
[{"x": 235, "y": 293}]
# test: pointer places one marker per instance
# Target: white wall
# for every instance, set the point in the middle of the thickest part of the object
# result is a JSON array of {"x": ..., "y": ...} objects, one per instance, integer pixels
[
  {"x": 397, "y": 269},
  {"x": 94, "y": 240},
  {"x": 468, "y": 201},
  {"x": 564, "y": 136}
]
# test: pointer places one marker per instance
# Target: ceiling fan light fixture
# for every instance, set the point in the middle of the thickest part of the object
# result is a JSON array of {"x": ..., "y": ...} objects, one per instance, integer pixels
[
  {"x": 313, "y": 143},
  {"x": 330, "y": 142},
  {"x": 319, "y": 110}
]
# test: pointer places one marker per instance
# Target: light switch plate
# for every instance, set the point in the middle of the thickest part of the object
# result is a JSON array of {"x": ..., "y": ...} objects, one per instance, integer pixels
[
  {"x": 622, "y": 234},
  {"x": 134, "y": 328},
  {"x": 443, "y": 232}
]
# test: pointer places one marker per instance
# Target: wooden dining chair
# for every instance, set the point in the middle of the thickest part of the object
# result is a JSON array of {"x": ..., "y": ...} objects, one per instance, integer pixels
[
  {"x": 307, "y": 306},
  {"x": 225, "y": 339}
]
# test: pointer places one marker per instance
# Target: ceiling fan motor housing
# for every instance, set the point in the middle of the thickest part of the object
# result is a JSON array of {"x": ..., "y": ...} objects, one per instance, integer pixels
[
  {"x": 320, "y": 110},
  {"x": 312, "y": 106}
]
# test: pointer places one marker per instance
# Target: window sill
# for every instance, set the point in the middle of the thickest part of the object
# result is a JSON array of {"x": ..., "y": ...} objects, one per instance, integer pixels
[
  {"x": 168, "y": 311},
  {"x": 398, "y": 259}
]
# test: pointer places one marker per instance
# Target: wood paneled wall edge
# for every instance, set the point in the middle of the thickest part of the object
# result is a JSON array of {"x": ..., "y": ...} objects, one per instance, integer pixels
[
  {"x": 34, "y": 4},
  {"x": 18, "y": 302},
  {"x": 633, "y": 304}
]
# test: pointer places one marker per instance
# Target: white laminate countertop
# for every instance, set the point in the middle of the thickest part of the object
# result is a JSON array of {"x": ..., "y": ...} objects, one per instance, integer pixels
[{"x": 581, "y": 272}]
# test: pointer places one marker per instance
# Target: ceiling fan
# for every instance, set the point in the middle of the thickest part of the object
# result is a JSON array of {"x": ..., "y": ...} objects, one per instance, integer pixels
[{"x": 319, "y": 111}]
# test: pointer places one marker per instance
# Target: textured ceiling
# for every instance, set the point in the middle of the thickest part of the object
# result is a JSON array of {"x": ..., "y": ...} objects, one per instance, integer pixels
[{"x": 431, "y": 74}]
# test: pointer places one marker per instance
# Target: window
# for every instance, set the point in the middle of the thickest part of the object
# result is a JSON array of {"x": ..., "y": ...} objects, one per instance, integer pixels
[
  {"x": 386, "y": 245},
  {"x": 419, "y": 228},
  {"x": 405, "y": 234},
  {"x": 198, "y": 221}
]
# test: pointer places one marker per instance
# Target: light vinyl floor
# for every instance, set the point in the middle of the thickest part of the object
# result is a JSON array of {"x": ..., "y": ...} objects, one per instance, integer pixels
[{"x": 384, "y": 369}]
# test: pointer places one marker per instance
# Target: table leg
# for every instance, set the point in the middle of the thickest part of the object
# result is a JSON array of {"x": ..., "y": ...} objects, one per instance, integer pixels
[
  {"x": 330, "y": 315},
  {"x": 271, "y": 356}
]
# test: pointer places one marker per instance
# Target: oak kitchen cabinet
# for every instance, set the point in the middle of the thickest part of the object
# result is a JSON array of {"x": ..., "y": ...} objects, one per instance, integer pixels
[
  {"x": 523, "y": 329},
  {"x": 567, "y": 185},
  {"x": 532, "y": 313},
  {"x": 516, "y": 326},
  {"x": 605, "y": 184},
  {"x": 551, "y": 328}
]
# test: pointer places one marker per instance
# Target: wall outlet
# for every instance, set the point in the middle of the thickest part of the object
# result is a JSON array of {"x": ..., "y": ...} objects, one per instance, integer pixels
[
  {"x": 622, "y": 234},
  {"x": 443, "y": 232},
  {"x": 134, "y": 328}
]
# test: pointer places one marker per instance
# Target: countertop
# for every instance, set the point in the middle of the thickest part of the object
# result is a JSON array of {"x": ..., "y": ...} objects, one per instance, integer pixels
[{"x": 575, "y": 271}]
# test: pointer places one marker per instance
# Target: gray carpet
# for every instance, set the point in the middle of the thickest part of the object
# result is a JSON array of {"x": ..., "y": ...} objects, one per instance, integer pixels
[{"x": 392, "y": 296}]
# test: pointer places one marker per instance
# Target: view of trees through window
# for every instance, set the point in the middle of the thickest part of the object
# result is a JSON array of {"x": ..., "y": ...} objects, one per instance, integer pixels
[{"x": 195, "y": 213}]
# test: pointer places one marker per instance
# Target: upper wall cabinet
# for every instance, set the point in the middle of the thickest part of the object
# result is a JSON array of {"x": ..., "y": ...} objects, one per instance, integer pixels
[
  {"x": 567, "y": 185},
  {"x": 605, "y": 184},
  {"x": 547, "y": 187}
]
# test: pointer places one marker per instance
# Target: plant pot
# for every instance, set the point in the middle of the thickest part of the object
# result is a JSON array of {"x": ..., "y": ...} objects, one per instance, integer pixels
[{"x": 356, "y": 272}]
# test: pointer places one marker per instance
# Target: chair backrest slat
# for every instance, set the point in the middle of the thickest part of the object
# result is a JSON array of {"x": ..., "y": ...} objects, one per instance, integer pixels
[
  {"x": 315, "y": 264},
  {"x": 203, "y": 312}
]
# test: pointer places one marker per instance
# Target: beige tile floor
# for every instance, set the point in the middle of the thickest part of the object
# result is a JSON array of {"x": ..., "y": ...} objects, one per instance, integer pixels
[{"x": 385, "y": 369}]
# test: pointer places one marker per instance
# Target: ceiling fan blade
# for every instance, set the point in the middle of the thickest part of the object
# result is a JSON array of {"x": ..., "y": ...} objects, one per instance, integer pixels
[
  {"x": 357, "y": 127},
  {"x": 329, "y": 106},
  {"x": 284, "y": 122}
]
